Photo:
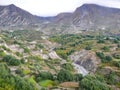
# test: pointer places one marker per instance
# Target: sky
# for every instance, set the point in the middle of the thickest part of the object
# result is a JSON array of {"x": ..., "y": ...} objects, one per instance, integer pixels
[{"x": 54, "y": 7}]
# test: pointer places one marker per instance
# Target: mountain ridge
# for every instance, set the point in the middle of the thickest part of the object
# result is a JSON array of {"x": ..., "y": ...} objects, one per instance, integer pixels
[{"x": 85, "y": 17}]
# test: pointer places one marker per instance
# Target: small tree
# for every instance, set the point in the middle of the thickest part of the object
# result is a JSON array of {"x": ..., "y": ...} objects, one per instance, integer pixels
[
  {"x": 106, "y": 48},
  {"x": 64, "y": 76}
]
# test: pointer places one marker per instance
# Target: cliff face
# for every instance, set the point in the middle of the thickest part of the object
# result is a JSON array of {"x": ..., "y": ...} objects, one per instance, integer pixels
[{"x": 87, "y": 59}]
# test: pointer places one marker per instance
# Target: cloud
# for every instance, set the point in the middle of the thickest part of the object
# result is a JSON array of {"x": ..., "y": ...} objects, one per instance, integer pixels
[{"x": 53, "y": 7}]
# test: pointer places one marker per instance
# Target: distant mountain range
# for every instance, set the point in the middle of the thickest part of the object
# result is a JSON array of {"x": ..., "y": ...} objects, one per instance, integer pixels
[{"x": 86, "y": 17}]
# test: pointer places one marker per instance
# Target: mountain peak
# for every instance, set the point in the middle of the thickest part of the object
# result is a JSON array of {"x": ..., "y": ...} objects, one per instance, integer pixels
[{"x": 12, "y": 5}]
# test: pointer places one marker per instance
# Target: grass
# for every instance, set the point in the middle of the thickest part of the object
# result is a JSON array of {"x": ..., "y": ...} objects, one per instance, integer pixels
[
  {"x": 31, "y": 80},
  {"x": 47, "y": 83}
]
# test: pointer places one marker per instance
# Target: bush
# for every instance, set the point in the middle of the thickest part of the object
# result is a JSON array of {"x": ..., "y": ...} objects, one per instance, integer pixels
[
  {"x": 106, "y": 48},
  {"x": 26, "y": 50},
  {"x": 78, "y": 77},
  {"x": 44, "y": 76},
  {"x": 117, "y": 63},
  {"x": 100, "y": 55},
  {"x": 62, "y": 54},
  {"x": 100, "y": 41},
  {"x": 93, "y": 83},
  {"x": 108, "y": 58},
  {"x": 68, "y": 66},
  {"x": 4, "y": 69},
  {"x": 111, "y": 78},
  {"x": 88, "y": 47},
  {"x": 116, "y": 41},
  {"x": 2, "y": 53},
  {"x": 10, "y": 60},
  {"x": 103, "y": 58},
  {"x": 64, "y": 76}
]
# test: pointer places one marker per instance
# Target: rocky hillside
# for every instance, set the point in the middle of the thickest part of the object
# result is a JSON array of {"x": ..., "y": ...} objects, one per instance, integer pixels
[
  {"x": 95, "y": 17},
  {"x": 86, "y": 17},
  {"x": 14, "y": 16}
]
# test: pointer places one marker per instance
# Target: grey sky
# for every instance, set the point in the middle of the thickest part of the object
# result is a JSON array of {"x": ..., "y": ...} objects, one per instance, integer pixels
[{"x": 53, "y": 7}]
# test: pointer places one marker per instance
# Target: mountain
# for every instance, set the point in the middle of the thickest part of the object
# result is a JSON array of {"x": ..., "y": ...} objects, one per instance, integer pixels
[
  {"x": 14, "y": 16},
  {"x": 91, "y": 17},
  {"x": 85, "y": 17}
]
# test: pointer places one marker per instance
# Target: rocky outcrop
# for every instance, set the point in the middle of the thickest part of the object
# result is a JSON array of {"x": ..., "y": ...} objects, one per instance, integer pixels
[
  {"x": 53, "y": 55},
  {"x": 87, "y": 59}
]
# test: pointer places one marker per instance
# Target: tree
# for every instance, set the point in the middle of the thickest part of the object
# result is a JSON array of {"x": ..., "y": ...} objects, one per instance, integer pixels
[
  {"x": 90, "y": 82},
  {"x": 68, "y": 66},
  {"x": 44, "y": 76},
  {"x": 100, "y": 55},
  {"x": 64, "y": 76},
  {"x": 78, "y": 77},
  {"x": 10, "y": 60},
  {"x": 106, "y": 48},
  {"x": 108, "y": 58}
]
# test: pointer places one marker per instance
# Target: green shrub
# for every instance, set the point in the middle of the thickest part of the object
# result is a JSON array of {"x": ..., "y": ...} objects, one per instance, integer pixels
[
  {"x": 44, "y": 76},
  {"x": 100, "y": 55},
  {"x": 116, "y": 41},
  {"x": 4, "y": 69},
  {"x": 117, "y": 63},
  {"x": 10, "y": 60},
  {"x": 88, "y": 47},
  {"x": 78, "y": 77},
  {"x": 68, "y": 66},
  {"x": 93, "y": 83},
  {"x": 2, "y": 54},
  {"x": 106, "y": 48},
  {"x": 110, "y": 78},
  {"x": 100, "y": 41},
  {"x": 64, "y": 76},
  {"x": 62, "y": 54},
  {"x": 108, "y": 58}
]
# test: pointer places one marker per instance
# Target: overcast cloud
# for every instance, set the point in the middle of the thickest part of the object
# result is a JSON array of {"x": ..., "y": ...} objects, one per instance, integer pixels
[{"x": 53, "y": 7}]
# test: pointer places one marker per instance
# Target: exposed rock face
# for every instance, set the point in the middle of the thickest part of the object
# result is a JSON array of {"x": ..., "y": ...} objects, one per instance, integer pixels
[
  {"x": 87, "y": 59},
  {"x": 53, "y": 55}
]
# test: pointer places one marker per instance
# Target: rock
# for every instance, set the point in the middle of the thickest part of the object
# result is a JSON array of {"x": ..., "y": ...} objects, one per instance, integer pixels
[
  {"x": 53, "y": 55},
  {"x": 87, "y": 59},
  {"x": 105, "y": 70}
]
